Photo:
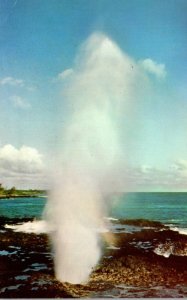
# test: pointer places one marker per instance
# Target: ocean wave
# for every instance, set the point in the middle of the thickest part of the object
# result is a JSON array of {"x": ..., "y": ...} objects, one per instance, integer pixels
[
  {"x": 171, "y": 248},
  {"x": 111, "y": 219},
  {"x": 179, "y": 230},
  {"x": 112, "y": 247},
  {"x": 39, "y": 227},
  {"x": 36, "y": 226}
]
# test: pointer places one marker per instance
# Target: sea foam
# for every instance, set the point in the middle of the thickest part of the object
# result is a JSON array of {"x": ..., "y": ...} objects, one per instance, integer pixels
[
  {"x": 36, "y": 226},
  {"x": 179, "y": 230}
]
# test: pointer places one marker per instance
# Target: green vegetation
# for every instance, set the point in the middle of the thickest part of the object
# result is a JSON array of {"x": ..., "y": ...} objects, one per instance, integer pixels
[{"x": 14, "y": 193}]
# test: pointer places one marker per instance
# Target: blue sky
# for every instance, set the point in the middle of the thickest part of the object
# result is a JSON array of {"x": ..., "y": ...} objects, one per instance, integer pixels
[{"x": 39, "y": 39}]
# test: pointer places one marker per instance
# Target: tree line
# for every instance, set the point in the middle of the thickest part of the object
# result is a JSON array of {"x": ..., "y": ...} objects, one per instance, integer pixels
[{"x": 14, "y": 192}]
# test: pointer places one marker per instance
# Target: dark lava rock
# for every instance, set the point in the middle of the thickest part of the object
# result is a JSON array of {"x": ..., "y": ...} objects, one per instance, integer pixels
[{"x": 27, "y": 271}]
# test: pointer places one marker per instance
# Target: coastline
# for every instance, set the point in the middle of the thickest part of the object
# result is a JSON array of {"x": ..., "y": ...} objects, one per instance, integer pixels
[
  {"x": 8, "y": 194},
  {"x": 129, "y": 268},
  {"x": 22, "y": 196}
]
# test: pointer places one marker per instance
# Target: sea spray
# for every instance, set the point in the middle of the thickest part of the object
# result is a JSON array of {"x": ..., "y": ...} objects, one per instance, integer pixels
[{"x": 97, "y": 95}]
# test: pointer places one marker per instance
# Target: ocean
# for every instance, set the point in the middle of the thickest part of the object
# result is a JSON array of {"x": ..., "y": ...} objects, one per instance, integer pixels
[
  {"x": 168, "y": 208},
  {"x": 151, "y": 235},
  {"x": 22, "y": 207}
]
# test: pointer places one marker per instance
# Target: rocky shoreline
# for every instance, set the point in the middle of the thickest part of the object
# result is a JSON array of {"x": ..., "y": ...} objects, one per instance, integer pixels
[{"x": 125, "y": 270}]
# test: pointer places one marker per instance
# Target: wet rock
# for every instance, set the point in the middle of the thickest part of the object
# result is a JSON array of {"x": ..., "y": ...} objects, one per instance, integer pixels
[{"x": 129, "y": 266}]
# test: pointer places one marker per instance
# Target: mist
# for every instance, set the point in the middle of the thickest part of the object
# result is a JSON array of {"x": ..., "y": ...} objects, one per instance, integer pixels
[{"x": 97, "y": 95}]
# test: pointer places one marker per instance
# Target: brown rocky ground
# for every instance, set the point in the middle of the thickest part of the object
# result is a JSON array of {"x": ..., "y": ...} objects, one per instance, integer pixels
[{"x": 26, "y": 269}]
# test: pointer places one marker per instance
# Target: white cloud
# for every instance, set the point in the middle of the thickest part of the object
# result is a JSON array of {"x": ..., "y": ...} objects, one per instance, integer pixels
[
  {"x": 20, "y": 102},
  {"x": 32, "y": 88},
  {"x": 171, "y": 178},
  {"x": 23, "y": 168},
  {"x": 180, "y": 166},
  {"x": 154, "y": 68},
  {"x": 149, "y": 178},
  {"x": 25, "y": 160},
  {"x": 12, "y": 81},
  {"x": 66, "y": 73}
]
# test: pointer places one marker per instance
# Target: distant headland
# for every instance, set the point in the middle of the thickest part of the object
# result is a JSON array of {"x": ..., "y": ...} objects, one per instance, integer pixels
[{"x": 13, "y": 192}]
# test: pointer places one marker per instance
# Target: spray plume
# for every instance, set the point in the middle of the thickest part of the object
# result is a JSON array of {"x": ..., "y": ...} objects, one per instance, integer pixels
[{"x": 97, "y": 94}]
